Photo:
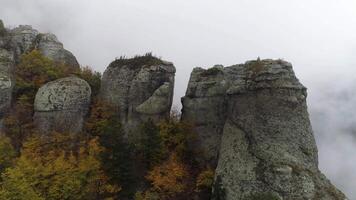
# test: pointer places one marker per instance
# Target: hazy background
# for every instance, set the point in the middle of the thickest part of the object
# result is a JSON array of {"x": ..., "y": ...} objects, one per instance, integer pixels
[{"x": 317, "y": 36}]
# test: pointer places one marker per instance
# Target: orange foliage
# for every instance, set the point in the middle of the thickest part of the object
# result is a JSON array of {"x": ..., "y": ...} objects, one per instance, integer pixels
[{"x": 169, "y": 177}]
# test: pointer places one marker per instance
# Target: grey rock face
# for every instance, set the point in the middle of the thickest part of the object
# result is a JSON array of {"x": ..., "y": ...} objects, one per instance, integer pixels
[
  {"x": 267, "y": 148},
  {"x": 24, "y": 39},
  {"x": 141, "y": 88},
  {"x": 50, "y": 47},
  {"x": 6, "y": 66},
  {"x": 6, "y": 83},
  {"x": 204, "y": 105},
  {"x": 62, "y": 105}
]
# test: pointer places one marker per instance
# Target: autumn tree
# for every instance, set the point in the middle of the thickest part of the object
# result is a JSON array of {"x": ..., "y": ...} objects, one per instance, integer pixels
[
  {"x": 7, "y": 153},
  {"x": 204, "y": 183},
  {"x": 49, "y": 169},
  {"x": 30, "y": 73},
  {"x": 151, "y": 144},
  {"x": 92, "y": 77},
  {"x": 33, "y": 71},
  {"x": 18, "y": 121},
  {"x": 168, "y": 179},
  {"x": 117, "y": 153}
]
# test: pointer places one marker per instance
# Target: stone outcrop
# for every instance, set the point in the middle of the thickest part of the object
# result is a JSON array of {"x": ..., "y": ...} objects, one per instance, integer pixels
[
  {"x": 50, "y": 47},
  {"x": 267, "y": 149},
  {"x": 62, "y": 105},
  {"x": 20, "y": 40},
  {"x": 141, "y": 88},
  {"x": 6, "y": 63},
  {"x": 24, "y": 39},
  {"x": 204, "y": 106}
]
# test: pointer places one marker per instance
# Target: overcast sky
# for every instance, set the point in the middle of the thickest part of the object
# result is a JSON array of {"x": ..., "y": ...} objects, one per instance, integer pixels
[{"x": 317, "y": 36}]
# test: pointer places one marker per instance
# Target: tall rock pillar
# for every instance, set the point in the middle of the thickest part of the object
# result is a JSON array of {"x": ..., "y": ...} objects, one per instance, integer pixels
[
  {"x": 141, "y": 88},
  {"x": 267, "y": 148}
]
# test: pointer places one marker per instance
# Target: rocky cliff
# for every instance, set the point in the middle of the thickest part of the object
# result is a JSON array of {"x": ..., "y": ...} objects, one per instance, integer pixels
[
  {"x": 141, "y": 88},
  {"x": 6, "y": 65},
  {"x": 22, "y": 39},
  {"x": 267, "y": 148},
  {"x": 251, "y": 119}
]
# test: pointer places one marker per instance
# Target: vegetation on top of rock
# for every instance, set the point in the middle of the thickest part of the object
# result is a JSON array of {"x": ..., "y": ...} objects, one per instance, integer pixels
[
  {"x": 256, "y": 66},
  {"x": 33, "y": 71},
  {"x": 138, "y": 61},
  {"x": 211, "y": 71}
]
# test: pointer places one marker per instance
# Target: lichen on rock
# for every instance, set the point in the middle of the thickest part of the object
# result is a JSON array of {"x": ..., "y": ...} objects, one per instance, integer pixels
[{"x": 62, "y": 105}]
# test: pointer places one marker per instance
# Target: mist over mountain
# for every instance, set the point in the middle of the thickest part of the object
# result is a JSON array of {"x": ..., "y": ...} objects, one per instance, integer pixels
[{"x": 317, "y": 37}]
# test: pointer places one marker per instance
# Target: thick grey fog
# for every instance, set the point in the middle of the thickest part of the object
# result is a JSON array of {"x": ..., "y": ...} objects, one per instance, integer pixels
[{"x": 317, "y": 36}]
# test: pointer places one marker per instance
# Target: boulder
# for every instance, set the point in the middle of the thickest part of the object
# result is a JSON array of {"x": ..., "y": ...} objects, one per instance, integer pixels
[
  {"x": 62, "y": 105},
  {"x": 141, "y": 88},
  {"x": 263, "y": 134}
]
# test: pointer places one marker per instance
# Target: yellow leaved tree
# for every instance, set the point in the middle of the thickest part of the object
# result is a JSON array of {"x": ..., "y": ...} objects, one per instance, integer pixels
[{"x": 49, "y": 168}]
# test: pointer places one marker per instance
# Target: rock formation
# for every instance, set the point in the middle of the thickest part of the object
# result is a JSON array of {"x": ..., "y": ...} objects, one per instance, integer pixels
[
  {"x": 141, "y": 88},
  {"x": 20, "y": 40},
  {"x": 62, "y": 105},
  {"x": 24, "y": 38},
  {"x": 204, "y": 105},
  {"x": 6, "y": 63},
  {"x": 50, "y": 47},
  {"x": 251, "y": 119},
  {"x": 267, "y": 148}
]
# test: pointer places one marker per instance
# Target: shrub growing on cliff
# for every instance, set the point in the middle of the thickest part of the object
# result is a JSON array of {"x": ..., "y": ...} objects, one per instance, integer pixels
[
  {"x": 33, "y": 71},
  {"x": 151, "y": 144},
  {"x": 92, "y": 77},
  {"x": 137, "y": 61}
]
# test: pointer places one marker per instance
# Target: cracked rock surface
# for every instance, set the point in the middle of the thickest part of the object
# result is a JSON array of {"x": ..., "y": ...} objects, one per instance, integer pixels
[
  {"x": 141, "y": 88},
  {"x": 62, "y": 105},
  {"x": 255, "y": 118}
]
